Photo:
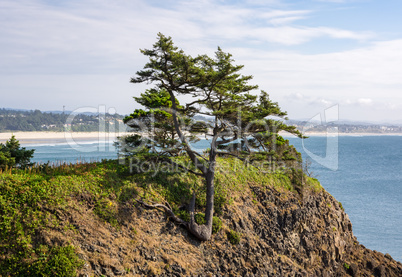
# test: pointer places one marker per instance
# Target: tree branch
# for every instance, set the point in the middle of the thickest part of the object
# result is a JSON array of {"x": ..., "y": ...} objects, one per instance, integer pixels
[
  {"x": 199, "y": 155},
  {"x": 226, "y": 141},
  {"x": 167, "y": 210},
  {"x": 190, "y": 153}
]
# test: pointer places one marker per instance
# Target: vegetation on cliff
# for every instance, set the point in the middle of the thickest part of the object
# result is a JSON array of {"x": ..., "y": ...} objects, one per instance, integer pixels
[
  {"x": 83, "y": 219},
  {"x": 37, "y": 207}
]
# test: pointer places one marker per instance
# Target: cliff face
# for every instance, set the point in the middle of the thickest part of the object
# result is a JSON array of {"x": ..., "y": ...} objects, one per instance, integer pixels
[{"x": 283, "y": 233}]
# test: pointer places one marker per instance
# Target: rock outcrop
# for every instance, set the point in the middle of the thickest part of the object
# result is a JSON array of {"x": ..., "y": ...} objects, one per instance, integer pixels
[{"x": 283, "y": 233}]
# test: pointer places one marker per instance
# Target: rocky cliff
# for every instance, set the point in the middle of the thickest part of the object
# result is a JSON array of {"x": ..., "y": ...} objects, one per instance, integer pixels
[{"x": 282, "y": 233}]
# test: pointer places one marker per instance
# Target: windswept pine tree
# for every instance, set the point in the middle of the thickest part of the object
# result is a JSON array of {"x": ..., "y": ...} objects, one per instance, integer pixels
[{"x": 240, "y": 124}]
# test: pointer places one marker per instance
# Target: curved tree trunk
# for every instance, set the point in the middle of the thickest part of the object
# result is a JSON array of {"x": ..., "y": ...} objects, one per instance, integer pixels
[
  {"x": 201, "y": 232},
  {"x": 204, "y": 232}
]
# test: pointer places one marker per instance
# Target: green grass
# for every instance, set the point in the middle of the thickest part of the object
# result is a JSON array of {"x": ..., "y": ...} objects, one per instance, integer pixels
[
  {"x": 30, "y": 199},
  {"x": 28, "y": 202}
]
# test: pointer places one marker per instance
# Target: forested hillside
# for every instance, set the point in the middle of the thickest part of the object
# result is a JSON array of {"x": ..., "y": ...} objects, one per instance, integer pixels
[{"x": 17, "y": 120}]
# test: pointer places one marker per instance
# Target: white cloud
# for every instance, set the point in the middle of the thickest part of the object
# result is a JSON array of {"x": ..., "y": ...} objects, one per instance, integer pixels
[
  {"x": 334, "y": 1},
  {"x": 365, "y": 101},
  {"x": 355, "y": 79},
  {"x": 102, "y": 38},
  {"x": 285, "y": 20},
  {"x": 282, "y": 17},
  {"x": 98, "y": 36},
  {"x": 299, "y": 95}
]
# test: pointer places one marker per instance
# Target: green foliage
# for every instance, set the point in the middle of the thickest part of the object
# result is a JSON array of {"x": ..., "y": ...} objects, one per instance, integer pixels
[
  {"x": 296, "y": 177},
  {"x": 312, "y": 183},
  {"x": 199, "y": 218},
  {"x": 11, "y": 154},
  {"x": 106, "y": 210},
  {"x": 233, "y": 175},
  {"x": 341, "y": 206},
  {"x": 243, "y": 121},
  {"x": 220, "y": 91},
  {"x": 56, "y": 261},
  {"x": 29, "y": 200},
  {"x": 216, "y": 225},
  {"x": 346, "y": 266},
  {"x": 231, "y": 178},
  {"x": 157, "y": 120},
  {"x": 45, "y": 261},
  {"x": 216, "y": 222},
  {"x": 183, "y": 214},
  {"x": 233, "y": 237},
  {"x": 6, "y": 161}
]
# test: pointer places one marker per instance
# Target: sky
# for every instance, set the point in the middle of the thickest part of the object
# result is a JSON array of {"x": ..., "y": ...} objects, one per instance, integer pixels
[{"x": 308, "y": 55}]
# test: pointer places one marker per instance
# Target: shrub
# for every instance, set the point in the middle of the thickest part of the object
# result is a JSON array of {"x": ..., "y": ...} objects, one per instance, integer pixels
[
  {"x": 6, "y": 161},
  {"x": 44, "y": 261},
  {"x": 106, "y": 210},
  {"x": 13, "y": 154},
  {"x": 183, "y": 214},
  {"x": 58, "y": 261},
  {"x": 233, "y": 237},
  {"x": 216, "y": 224},
  {"x": 199, "y": 218}
]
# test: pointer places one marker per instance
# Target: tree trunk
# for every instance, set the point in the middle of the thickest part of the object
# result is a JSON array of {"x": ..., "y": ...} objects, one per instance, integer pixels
[
  {"x": 204, "y": 232},
  {"x": 209, "y": 209}
]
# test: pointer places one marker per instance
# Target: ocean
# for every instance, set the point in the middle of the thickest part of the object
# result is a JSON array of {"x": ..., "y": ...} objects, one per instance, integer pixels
[
  {"x": 364, "y": 173},
  {"x": 368, "y": 183}
]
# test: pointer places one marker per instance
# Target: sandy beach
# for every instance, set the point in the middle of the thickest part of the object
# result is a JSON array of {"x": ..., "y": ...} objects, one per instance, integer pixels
[
  {"x": 59, "y": 137},
  {"x": 318, "y": 134},
  {"x": 65, "y": 137}
]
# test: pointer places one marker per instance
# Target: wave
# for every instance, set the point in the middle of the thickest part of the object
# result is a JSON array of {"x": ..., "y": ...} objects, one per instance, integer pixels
[{"x": 74, "y": 143}]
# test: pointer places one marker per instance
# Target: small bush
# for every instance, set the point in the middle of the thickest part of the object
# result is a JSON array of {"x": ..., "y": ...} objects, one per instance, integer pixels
[
  {"x": 106, "y": 210},
  {"x": 44, "y": 261},
  {"x": 216, "y": 224},
  {"x": 183, "y": 214},
  {"x": 58, "y": 261},
  {"x": 199, "y": 218},
  {"x": 233, "y": 237}
]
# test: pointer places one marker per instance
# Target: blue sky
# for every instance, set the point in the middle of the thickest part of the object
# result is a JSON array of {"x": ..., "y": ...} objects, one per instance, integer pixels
[{"x": 308, "y": 55}]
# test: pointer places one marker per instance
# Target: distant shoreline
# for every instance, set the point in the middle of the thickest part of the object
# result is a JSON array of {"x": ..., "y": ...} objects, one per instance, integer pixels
[
  {"x": 64, "y": 137},
  {"x": 323, "y": 134},
  {"x": 59, "y": 137}
]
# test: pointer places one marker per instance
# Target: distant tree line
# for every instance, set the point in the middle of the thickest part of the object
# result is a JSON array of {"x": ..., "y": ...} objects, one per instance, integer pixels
[{"x": 15, "y": 120}]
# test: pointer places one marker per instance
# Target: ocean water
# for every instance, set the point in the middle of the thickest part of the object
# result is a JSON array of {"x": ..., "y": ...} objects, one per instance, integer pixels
[
  {"x": 363, "y": 173},
  {"x": 72, "y": 153},
  {"x": 368, "y": 183}
]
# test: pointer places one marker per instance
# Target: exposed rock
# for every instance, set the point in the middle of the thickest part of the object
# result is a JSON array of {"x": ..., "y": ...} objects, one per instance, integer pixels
[{"x": 283, "y": 234}]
